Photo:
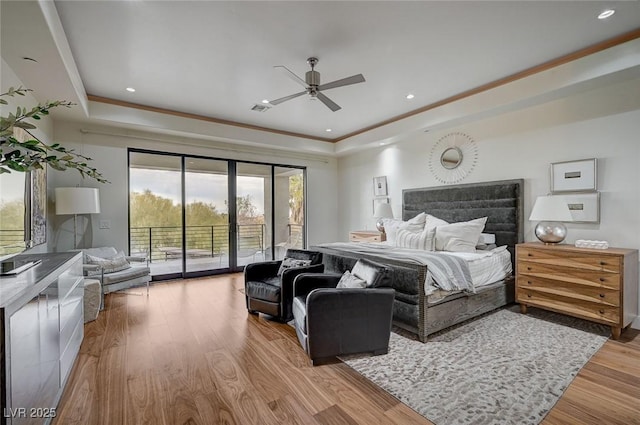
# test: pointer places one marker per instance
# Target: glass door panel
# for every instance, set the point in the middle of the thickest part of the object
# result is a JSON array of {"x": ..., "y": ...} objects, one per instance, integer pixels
[
  {"x": 155, "y": 210},
  {"x": 289, "y": 206},
  {"x": 206, "y": 214},
  {"x": 254, "y": 208}
]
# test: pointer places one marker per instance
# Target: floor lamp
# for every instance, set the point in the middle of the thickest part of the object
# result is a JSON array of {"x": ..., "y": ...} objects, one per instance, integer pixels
[{"x": 77, "y": 200}]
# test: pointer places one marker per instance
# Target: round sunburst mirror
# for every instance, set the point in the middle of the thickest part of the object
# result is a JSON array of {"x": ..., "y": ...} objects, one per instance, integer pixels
[{"x": 453, "y": 157}]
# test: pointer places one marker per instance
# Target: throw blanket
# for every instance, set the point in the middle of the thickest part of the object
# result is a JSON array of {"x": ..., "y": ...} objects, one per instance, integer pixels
[{"x": 447, "y": 272}]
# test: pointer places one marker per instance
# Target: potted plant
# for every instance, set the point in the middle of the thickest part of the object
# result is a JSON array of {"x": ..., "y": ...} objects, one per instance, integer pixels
[{"x": 23, "y": 156}]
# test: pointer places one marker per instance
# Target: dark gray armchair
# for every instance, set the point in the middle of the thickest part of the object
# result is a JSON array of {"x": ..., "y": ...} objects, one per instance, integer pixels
[
  {"x": 270, "y": 293},
  {"x": 334, "y": 321}
]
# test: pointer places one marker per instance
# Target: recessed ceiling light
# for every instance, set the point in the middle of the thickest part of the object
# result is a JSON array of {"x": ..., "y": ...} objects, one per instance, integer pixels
[
  {"x": 265, "y": 101},
  {"x": 131, "y": 89},
  {"x": 410, "y": 96},
  {"x": 606, "y": 14},
  {"x": 328, "y": 130}
]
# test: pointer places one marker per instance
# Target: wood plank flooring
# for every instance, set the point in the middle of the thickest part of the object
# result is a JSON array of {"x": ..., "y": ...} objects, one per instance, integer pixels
[{"x": 190, "y": 354}]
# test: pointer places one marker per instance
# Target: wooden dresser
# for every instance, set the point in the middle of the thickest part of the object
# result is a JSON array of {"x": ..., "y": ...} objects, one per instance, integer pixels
[
  {"x": 366, "y": 236},
  {"x": 596, "y": 285}
]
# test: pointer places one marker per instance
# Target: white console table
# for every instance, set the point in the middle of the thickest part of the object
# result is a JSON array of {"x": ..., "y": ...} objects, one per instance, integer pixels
[{"x": 42, "y": 327}]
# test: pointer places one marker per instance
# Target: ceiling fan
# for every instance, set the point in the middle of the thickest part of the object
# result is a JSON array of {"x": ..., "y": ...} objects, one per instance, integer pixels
[{"x": 312, "y": 85}]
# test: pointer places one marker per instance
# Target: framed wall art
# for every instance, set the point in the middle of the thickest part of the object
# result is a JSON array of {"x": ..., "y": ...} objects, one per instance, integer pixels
[
  {"x": 584, "y": 207},
  {"x": 574, "y": 176},
  {"x": 380, "y": 186}
]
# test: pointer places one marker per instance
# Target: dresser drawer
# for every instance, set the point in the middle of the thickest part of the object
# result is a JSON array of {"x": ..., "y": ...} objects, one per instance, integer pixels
[
  {"x": 571, "y": 259},
  {"x": 593, "y": 278},
  {"x": 365, "y": 236},
  {"x": 604, "y": 296},
  {"x": 579, "y": 308}
]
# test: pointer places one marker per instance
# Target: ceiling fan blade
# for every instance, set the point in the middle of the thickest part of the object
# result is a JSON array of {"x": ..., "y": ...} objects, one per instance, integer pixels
[
  {"x": 354, "y": 79},
  {"x": 291, "y": 75},
  {"x": 330, "y": 103},
  {"x": 284, "y": 99}
]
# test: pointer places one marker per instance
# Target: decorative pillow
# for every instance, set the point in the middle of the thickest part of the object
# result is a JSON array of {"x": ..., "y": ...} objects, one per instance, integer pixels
[
  {"x": 486, "y": 239},
  {"x": 110, "y": 265},
  {"x": 289, "y": 263},
  {"x": 391, "y": 229},
  {"x": 431, "y": 223},
  {"x": 459, "y": 237},
  {"x": 349, "y": 280},
  {"x": 415, "y": 225},
  {"x": 412, "y": 240}
]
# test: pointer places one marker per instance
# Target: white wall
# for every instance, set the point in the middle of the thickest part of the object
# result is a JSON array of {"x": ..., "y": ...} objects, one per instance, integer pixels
[
  {"x": 602, "y": 124},
  {"x": 110, "y": 158},
  {"x": 44, "y": 132}
]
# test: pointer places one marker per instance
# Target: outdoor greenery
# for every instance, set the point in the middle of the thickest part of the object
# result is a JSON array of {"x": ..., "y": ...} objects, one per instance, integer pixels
[{"x": 27, "y": 155}]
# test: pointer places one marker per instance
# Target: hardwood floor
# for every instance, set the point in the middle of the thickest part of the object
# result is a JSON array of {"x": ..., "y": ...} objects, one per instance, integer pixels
[{"x": 190, "y": 354}]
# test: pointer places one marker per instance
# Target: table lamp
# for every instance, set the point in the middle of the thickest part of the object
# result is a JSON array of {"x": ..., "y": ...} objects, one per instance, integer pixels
[
  {"x": 550, "y": 211},
  {"x": 383, "y": 210}
]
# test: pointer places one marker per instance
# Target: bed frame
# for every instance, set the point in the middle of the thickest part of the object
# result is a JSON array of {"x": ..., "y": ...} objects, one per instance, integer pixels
[{"x": 500, "y": 201}]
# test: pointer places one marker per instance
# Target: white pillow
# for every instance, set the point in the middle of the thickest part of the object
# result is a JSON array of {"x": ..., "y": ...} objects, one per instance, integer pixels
[
  {"x": 430, "y": 228},
  {"x": 110, "y": 265},
  {"x": 416, "y": 224},
  {"x": 459, "y": 237},
  {"x": 391, "y": 229},
  {"x": 412, "y": 240},
  {"x": 349, "y": 280},
  {"x": 486, "y": 239}
]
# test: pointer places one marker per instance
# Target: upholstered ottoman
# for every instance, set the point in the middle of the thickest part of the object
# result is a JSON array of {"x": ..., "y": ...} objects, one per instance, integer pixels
[{"x": 92, "y": 299}]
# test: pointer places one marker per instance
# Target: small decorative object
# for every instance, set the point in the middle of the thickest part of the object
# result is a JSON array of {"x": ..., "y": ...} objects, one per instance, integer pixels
[
  {"x": 585, "y": 243},
  {"x": 584, "y": 207},
  {"x": 380, "y": 186},
  {"x": 383, "y": 210},
  {"x": 549, "y": 211},
  {"x": 574, "y": 176},
  {"x": 453, "y": 157},
  {"x": 77, "y": 200}
]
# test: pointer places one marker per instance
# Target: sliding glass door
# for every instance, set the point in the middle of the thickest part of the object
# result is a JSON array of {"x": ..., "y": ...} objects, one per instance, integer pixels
[
  {"x": 195, "y": 216},
  {"x": 206, "y": 192}
]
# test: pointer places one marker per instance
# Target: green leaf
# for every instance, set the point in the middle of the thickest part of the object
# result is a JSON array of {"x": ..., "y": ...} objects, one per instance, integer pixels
[{"x": 25, "y": 125}]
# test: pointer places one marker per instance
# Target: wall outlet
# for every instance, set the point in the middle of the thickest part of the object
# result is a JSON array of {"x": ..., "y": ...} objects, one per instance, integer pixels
[{"x": 105, "y": 224}]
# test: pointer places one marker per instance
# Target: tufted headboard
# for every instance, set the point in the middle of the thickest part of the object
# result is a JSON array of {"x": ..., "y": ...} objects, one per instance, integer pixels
[{"x": 500, "y": 201}]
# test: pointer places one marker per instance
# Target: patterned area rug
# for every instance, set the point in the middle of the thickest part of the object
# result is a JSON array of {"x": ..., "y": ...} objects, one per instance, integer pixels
[{"x": 503, "y": 368}]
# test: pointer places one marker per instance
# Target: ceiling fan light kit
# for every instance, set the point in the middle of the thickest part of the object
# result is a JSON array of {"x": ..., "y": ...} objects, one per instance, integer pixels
[{"x": 312, "y": 85}]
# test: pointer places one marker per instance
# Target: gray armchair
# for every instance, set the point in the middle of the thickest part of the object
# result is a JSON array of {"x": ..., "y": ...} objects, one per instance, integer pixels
[
  {"x": 332, "y": 321},
  {"x": 136, "y": 275},
  {"x": 268, "y": 292}
]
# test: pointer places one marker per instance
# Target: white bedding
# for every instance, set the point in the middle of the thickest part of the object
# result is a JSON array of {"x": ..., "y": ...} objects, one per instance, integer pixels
[{"x": 485, "y": 267}]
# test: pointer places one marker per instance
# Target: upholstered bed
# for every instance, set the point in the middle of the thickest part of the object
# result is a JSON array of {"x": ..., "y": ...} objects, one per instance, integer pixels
[{"x": 500, "y": 201}]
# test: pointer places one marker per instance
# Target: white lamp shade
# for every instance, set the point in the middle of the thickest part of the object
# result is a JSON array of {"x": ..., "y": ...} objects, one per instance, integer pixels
[
  {"x": 383, "y": 210},
  {"x": 77, "y": 200},
  {"x": 550, "y": 208}
]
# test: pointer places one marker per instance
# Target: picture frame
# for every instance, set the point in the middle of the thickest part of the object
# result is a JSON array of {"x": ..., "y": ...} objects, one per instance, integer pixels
[
  {"x": 380, "y": 186},
  {"x": 574, "y": 176},
  {"x": 584, "y": 207}
]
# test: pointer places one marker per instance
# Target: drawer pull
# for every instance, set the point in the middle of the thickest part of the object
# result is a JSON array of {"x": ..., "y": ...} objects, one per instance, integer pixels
[
  {"x": 528, "y": 295},
  {"x": 601, "y": 295},
  {"x": 601, "y": 311},
  {"x": 528, "y": 268},
  {"x": 529, "y": 282},
  {"x": 603, "y": 263},
  {"x": 602, "y": 279},
  {"x": 529, "y": 254}
]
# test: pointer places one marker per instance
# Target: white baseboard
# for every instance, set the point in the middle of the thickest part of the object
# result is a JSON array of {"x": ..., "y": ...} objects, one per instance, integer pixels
[{"x": 636, "y": 323}]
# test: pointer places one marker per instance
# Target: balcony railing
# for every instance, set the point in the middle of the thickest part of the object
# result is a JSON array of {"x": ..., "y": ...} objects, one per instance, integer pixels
[{"x": 165, "y": 243}]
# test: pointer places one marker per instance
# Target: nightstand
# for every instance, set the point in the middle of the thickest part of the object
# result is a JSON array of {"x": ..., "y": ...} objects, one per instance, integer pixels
[
  {"x": 596, "y": 285},
  {"x": 367, "y": 236}
]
